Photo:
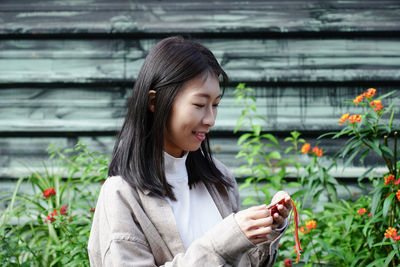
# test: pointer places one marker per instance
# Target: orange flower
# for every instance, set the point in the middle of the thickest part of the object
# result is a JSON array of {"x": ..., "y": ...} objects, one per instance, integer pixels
[
  {"x": 344, "y": 118},
  {"x": 389, "y": 179},
  {"x": 318, "y": 152},
  {"x": 398, "y": 194},
  {"x": 311, "y": 224},
  {"x": 376, "y": 104},
  {"x": 355, "y": 118},
  {"x": 305, "y": 148},
  {"x": 362, "y": 211},
  {"x": 390, "y": 232},
  {"x": 358, "y": 99},
  {"x": 302, "y": 229},
  {"x": 49, "y": 192},
  {"x": 370, "y": 92}
]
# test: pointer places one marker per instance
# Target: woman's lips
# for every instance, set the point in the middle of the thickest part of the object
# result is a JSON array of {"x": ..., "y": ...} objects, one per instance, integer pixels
[{"x": 200, "y": 136}]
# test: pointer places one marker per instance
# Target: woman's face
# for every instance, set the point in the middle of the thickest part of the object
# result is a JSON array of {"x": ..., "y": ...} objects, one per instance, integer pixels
[{"x": 192, "y": 115}]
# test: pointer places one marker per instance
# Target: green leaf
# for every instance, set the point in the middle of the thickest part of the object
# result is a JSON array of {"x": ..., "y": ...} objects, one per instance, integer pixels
[
  {"x": 386, "y": 95},
  {"x": 348, "y": 221},
  {"x": 352, "y": 156},
  {"x": 375, "y": 200},
  {"x": 271, "y": 138},
  {"x": 256, "y": 129},
  {"x": 389, "y": 258},
  {"x": 274, "y": 155},
  {"x": 387, "y": 203},
  {"x": 391, "y": 121},
  {"x": 387, "y": 150},
  {"x": 377, "y": 262},
  {"x": 293, "y": 184},
  {"x": 243, "y": 138}
]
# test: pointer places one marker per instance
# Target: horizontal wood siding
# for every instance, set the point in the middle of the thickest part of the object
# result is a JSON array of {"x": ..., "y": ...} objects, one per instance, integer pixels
[
  {"x": 67, "y": 68},
  {"x": 165, "y": 17}
]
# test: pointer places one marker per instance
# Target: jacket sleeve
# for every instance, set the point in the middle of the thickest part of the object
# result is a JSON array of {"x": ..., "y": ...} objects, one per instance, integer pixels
[
  {"x": 263, "y": 254},
  {"x": 117, "y": 240}
]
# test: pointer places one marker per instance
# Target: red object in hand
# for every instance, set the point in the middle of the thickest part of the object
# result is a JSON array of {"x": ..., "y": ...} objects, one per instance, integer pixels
[{"x": 274, "y": 207}]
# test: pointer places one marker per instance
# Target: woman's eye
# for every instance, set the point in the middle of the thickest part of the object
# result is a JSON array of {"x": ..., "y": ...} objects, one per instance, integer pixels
[
  {"x": 199, "y": 105},
  {"x": 215, "y": 105}
]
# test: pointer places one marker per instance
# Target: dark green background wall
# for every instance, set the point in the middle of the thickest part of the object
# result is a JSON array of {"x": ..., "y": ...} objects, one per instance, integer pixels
[{"x": 67, "y": 67}]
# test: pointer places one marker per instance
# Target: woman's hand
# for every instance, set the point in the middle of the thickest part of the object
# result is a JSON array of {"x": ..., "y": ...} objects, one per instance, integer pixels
[
  {"x": 283, "y": 208},
  {"x": 255, "y": 222}
]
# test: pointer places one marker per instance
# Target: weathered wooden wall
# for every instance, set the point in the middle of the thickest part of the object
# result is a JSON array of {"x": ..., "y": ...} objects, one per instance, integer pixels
[{"x": 67, "y": 67}]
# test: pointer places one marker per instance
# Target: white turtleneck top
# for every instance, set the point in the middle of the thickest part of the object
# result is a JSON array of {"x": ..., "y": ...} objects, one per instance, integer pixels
[{"x": 195, "y": 211}]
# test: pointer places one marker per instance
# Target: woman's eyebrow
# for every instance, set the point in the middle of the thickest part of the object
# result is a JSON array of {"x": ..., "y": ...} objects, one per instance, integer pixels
[{"x": 206, "y": 95}]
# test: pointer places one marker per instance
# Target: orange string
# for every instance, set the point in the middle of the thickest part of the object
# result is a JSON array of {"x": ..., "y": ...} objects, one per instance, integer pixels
[
  {"x": 274, "y": 209},
  {"x": 296, "y": 230}
]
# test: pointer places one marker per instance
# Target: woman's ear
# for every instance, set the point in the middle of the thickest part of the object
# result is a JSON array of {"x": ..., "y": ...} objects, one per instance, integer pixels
[{"x": 152, "y": 97}]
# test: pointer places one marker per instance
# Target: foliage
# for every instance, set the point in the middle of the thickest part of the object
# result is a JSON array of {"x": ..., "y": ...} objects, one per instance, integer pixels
[
  {"x": 261, "y": 151},
  {"x": 50, "y": 225},
  {"x": 346, "y": 232}
]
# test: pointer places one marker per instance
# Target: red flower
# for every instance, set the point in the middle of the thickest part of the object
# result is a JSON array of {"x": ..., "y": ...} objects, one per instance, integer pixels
[
  {"x": 287, "y": 263},
  {"x": 398, "y": 194},
  {"x": 376, "y": 104},
  {"x": 50, "y": 217},
  {"x": 305, "y": 148},
  {"x": 389, "y": 179},
  {"x": 318, "y": 152},
  {"x": 362, "y": 211},
  {"x": 49, "y": 192},
  {"x": 63, "y": 210},
  {"x": 370, "y": 214}
]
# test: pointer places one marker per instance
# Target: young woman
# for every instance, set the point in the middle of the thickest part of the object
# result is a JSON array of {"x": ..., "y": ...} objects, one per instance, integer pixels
[{"x": 167, "y": 201}]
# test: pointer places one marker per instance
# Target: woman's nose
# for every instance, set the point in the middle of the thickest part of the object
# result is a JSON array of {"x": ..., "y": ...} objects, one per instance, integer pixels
[{"x": 209, "y": 117}]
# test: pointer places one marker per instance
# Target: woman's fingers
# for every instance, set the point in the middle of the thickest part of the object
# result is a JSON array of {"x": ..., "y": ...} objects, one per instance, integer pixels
[{"x": 255, "y": 222}]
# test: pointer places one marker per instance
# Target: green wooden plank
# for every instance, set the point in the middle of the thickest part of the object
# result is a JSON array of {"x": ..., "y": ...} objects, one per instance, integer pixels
[
  {"x": 274, "y": 60},
  {"x": 99, "y": 109},
  {"x": 49, "y": 17},
  {"x": 21, "y": 155}
]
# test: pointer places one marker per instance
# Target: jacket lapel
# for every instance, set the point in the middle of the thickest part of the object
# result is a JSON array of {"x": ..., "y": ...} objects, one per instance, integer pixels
[{"x": 161, "y": 215}]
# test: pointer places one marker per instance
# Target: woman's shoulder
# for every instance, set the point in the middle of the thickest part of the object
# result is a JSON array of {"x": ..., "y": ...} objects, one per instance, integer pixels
[{"x": 116, "y": 185}]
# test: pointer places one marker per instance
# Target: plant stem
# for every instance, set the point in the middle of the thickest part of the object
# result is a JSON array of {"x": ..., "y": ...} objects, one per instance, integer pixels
[
  {"x": 316, "y": 254},
  {"x": 395, "y": 154},
  {"x": 388, "y": 161}
]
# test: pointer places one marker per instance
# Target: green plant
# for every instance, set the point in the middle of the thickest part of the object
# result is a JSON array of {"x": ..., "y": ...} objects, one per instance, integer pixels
[
  {"x": 50, "y": 225},
  {"x": 260, "y": 150},
  {"x": 373, "y": 131},
  {"x": 349, "y": 232}
]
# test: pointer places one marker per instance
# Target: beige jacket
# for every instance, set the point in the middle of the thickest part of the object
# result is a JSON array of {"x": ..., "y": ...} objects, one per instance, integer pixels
[{"x": 135, "y": 228}]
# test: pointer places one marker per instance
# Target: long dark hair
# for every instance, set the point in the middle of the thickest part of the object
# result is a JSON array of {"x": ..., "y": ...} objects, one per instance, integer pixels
[{"x": 138, "y": 152}]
